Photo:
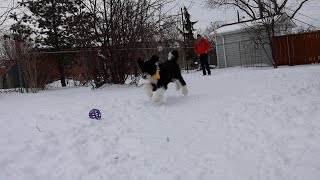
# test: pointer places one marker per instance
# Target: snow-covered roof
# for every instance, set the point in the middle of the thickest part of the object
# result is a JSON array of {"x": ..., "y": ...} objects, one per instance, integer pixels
[
  {"x": 230, "y": 28},
  {"x": 236, "y": 27}
]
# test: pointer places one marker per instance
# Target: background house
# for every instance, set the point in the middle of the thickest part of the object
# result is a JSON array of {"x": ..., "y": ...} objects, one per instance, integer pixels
[{"x": 236, "y": 44}]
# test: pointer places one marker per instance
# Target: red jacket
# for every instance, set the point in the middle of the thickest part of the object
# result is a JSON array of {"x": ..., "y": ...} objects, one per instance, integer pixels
[{"x": 202, "y": 47}]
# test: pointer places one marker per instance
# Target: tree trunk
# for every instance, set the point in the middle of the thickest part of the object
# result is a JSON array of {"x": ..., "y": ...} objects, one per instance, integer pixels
[{"x": 61, "y": 71}]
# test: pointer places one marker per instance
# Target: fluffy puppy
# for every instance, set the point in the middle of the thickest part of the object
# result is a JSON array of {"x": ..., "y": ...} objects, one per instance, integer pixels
[{"x": 160, "y": 74}]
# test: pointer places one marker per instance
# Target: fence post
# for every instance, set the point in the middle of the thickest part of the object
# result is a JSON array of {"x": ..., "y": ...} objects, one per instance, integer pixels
[
  {"x": 289, "y": 57},
  {"x": 18, "y": 50}
]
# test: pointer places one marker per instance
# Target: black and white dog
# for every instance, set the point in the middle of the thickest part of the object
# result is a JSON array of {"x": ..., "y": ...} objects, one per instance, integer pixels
[{"x": 160, "y": 74}]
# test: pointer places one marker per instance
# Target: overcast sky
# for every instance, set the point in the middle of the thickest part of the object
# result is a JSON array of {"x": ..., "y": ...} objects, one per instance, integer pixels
[{"x": 309, "y": 14}]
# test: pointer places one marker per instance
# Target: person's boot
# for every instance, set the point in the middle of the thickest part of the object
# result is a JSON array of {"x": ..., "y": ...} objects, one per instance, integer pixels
[{"x": 204, "y": 73}]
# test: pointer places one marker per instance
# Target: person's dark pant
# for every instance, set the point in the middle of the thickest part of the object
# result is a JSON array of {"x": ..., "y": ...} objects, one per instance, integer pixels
[{"x": 205, "y": 64}]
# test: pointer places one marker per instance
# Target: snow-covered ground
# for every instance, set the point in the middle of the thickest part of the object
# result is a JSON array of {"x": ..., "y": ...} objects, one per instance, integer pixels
[{"x": 239, "y": 124}]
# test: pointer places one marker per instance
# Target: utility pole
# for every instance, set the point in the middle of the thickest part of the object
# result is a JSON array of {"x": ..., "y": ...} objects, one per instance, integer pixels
[
  {"x": 184, "y": 41},
  {"x": 238, "y": 15},
  {"x": 260, "y": 8}
]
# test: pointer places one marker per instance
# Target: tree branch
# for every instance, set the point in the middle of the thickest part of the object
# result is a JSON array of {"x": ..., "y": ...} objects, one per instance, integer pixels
[{"x": 300, "y": 6}]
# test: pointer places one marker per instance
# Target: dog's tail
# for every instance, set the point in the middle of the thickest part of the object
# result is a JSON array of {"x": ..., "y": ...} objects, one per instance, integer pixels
[{"x": 173, "y": 56}]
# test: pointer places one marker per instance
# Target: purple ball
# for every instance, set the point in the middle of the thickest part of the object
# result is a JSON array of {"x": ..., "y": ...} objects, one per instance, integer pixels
[{"x": 95, "y": 114}]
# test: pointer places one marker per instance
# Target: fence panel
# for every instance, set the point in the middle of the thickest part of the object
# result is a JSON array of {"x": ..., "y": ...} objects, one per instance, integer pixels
[
  {"x": 297, "y": 49},
  {"x": 42, "y": 70}
]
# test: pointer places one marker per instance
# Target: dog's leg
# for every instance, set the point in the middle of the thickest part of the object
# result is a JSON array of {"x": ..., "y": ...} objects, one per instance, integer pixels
[
  {"x": 183, "y": 84},
  {"x": 159, "y": 93},
  {"x": 148, "y": 89},
  {"x": 178, "y": 84},
  {"x": 185, "y": 90}
]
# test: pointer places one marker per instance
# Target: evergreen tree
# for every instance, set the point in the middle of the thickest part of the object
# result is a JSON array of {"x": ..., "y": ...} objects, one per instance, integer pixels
[
  {"x": 52, "y": 20},
  {"x": 188, "y": 36}
]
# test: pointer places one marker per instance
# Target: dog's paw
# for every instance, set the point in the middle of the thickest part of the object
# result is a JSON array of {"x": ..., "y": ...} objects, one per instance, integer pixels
[
  {"x": 158, "y": 95},
  {"x": 184, "y": 90},
  {"x": 156, "y": 99},
  {"x": 148, "y": 90},
  {"x": 149, "y": 94}
]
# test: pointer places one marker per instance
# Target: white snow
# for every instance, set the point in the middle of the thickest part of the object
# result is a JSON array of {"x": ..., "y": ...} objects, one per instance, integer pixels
[
  {"x": 57, "y": 84},
  {"x": 238, "y": 124}
]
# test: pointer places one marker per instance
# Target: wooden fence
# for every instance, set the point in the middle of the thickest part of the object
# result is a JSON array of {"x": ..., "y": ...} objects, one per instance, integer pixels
[{"x": 297, "y": 49}]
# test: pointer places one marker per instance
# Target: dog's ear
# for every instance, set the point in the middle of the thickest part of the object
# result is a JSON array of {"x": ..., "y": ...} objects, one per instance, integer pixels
[
  {"x": 154, "y": 58},
  {"x": 173, "y": 55}
]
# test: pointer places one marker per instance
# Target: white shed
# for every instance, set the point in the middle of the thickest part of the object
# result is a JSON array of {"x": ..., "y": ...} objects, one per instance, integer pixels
[{"x": 235, "y": 44}]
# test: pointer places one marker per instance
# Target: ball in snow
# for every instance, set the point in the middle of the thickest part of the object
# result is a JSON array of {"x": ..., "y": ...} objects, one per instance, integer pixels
[{"x": 95, "y": 114}]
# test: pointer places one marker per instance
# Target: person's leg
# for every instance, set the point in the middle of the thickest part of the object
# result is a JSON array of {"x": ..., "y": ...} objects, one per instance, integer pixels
[
  {"x": 207, "y": 64},
  {"x": 202, "y": 62}
]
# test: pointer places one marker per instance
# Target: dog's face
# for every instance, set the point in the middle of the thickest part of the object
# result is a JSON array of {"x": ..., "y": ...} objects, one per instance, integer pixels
[
  {"x": 173, "y": 55},
  {"x": 148, "y": 68}
]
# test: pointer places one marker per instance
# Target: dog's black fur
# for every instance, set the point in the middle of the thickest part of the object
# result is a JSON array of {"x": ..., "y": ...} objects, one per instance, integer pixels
[{"x": 169, "y": 71}]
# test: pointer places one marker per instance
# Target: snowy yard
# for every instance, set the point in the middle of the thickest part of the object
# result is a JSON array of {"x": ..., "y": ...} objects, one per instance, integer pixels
[{"x": 239, "y": 124}]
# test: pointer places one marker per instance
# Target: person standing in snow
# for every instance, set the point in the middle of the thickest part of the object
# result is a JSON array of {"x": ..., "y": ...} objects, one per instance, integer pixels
[{"x": 201, "y": 48}]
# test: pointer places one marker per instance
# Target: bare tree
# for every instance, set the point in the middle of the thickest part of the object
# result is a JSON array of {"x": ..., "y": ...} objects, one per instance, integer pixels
[
  {"x": 302, "y": 29},
  {"x": 6, "y": 52},
  {"x": 7, "y": 60},
  {"x": 119, "y": 26},
  {"x": 255, "y": 8},
  {"x": 210, "y": 28},
  {"x": 13, "y": 51},
  {"x": 6, "y": 7}
]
